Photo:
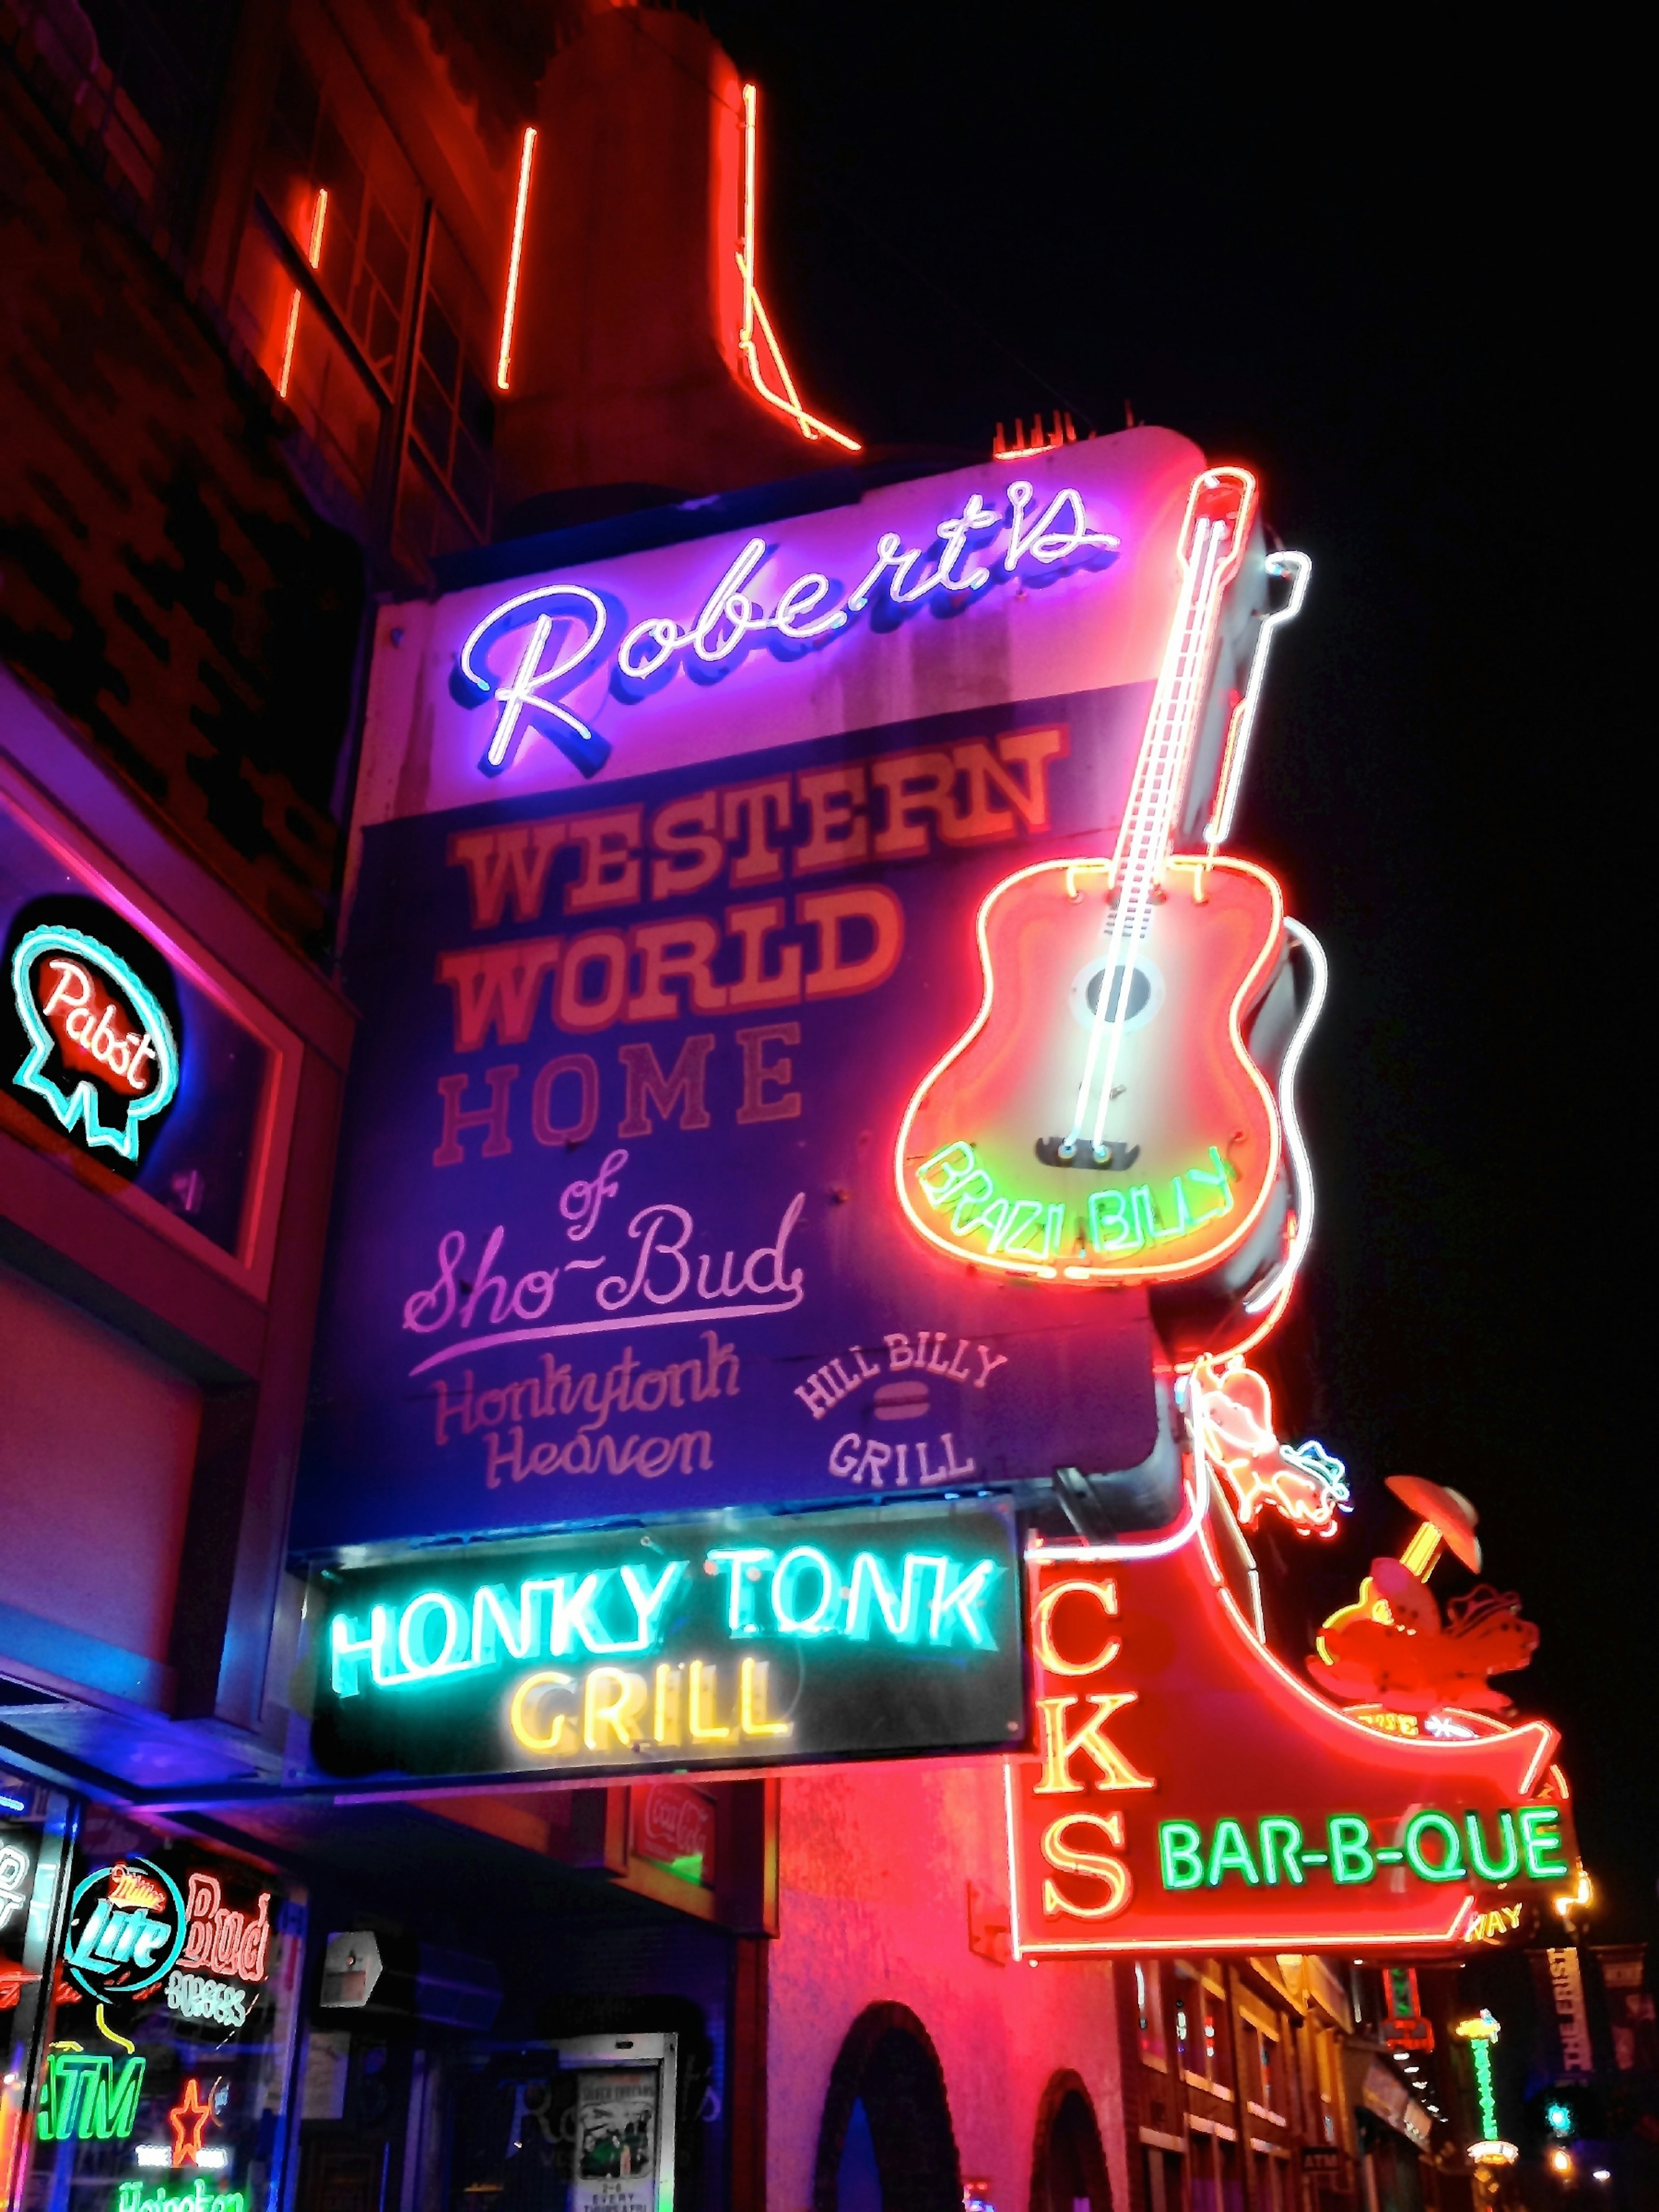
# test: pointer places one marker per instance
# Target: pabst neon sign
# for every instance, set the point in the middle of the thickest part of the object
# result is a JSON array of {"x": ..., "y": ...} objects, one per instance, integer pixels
[{"x": 103, "y": 1056}]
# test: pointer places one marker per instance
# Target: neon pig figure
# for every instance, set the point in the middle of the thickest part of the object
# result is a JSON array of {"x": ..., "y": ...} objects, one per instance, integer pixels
[{"x": 1057, "y": 538}]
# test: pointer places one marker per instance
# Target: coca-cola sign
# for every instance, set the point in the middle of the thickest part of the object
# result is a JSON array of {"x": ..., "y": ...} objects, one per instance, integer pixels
[{"x": 98, "y": 1024}]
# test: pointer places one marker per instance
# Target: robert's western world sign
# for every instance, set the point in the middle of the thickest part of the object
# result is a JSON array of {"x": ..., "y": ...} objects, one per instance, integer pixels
[
  {"x": 617, "y": 1231},
  {"x": 812, "y": 1636}
]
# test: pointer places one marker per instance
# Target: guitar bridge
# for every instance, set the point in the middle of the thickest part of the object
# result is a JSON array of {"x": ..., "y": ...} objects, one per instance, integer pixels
[{"x": 1101, "y": 1160}]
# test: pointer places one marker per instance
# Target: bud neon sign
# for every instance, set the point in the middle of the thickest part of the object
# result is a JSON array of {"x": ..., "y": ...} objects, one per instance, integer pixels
[
  {"x": 1186, "y": 1788},
  {"x": 896, "y": 1630},
  {"x": 969, "y": 553}
]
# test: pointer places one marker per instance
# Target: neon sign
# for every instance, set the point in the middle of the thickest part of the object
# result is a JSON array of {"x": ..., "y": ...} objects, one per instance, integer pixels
[
  {"x": 755, "y": 317},
  {"x": 1480, "y": 2033},
  {"x": 223, "y": 1941},
  {"x": 1026, "y": 536},
  {"x": 1302, "y": 1483},
  {"x": 1186, "y": 1787},
  {"x": 189, "y": 2121},
  {"x": 15, "y": 1867},
  {"x": 1109, "y": 1035},
  {"x": 786, "y": 1640},
  {"x": 84, "y": 2100},
  {"x": 126, "y": 1929},
  {"x": 102, "y": 1057},
  {"x": 197, "y": 2196}
]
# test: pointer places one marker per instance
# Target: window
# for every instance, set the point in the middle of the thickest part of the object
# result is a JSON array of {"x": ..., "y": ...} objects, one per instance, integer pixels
[
  {"x": 1268, "y": 2075},
  {"x": 1217, "y": 2055},
  {"x": 1149, "y": 2012},
  {"x": 326, "y": 272},
  {"x": 1188, "y": 2050},
  {"x": 1325, "y": 2065},
  {"x": 336, "y": 181},
  {"x": 1166, "y": 2180},
  {"x": 453, "y": 416}
]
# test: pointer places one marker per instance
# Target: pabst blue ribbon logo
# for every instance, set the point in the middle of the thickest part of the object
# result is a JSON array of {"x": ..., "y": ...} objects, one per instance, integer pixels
[
  {"x": 102, "y": 1053},
  {"x": 127, "y": 1926}
]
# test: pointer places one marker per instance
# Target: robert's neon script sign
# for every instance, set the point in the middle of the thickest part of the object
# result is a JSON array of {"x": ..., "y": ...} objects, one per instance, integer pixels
[{"x": 568, "y": 624}]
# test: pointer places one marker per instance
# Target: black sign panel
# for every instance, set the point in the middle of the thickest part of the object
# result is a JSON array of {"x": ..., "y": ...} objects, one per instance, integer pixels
[{"x": 720, "y": 1644}]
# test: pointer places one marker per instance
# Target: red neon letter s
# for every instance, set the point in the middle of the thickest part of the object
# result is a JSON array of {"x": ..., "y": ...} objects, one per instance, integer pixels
[{"x": 1097, "y": 1865}]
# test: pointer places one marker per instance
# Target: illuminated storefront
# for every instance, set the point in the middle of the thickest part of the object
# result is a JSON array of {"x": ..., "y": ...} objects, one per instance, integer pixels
[{"x": 711, "y": 1640}]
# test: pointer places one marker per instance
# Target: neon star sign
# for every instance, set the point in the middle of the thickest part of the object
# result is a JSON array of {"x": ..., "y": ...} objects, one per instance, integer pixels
[
  {"x": 189, "y": 2120},
  {"x": 532, "y": 649}
]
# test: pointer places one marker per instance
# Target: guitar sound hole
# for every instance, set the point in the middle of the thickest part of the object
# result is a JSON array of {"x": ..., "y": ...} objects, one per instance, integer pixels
[
  {"x": 1145, "y": 993},
  {"x": 1140, "y": 992}
]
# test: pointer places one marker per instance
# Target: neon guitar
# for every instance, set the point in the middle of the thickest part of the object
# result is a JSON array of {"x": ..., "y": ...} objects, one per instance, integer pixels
[{"x": 1102, "y": 1120}]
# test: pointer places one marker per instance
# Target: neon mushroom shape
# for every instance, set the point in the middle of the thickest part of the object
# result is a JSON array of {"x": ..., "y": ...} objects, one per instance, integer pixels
[
  {"x": 1392, "y": 1650},
  {"x": 1445, "y": 1522}
]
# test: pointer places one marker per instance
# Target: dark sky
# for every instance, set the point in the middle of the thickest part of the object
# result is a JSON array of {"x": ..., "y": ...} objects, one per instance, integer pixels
[{"x": 1372, "y": 273}]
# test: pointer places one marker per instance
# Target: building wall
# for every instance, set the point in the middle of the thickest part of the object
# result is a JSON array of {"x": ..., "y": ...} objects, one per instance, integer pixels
[
  {"x": 875, "y": 1862},
  {"x": 165, "y": 583},
  {"x": 97, "y": 1450}
]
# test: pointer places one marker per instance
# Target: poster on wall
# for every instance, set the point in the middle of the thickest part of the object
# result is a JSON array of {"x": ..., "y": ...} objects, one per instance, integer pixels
[
  {"x": 616, "y": 2140},
  {"x": 669, "y": 876}
]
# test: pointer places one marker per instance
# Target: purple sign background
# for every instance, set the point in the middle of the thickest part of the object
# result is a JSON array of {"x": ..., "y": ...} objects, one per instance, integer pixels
[{"x": 615, "y": 1229}]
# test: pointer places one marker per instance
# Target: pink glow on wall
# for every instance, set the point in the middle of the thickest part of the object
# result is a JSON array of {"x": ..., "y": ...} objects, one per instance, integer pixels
[{"x": 874, "y": 1910}]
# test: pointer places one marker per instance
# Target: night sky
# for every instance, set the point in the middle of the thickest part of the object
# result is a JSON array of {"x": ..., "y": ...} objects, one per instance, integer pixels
[{"x": 1370, "y": 275}]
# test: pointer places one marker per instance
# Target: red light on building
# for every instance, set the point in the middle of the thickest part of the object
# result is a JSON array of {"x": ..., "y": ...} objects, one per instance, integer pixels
[{"x": 1188, "y": 1789}]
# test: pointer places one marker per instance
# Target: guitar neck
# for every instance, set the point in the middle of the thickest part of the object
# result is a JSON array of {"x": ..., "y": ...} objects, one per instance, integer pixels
[{"x": 1212, "y": 547}]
